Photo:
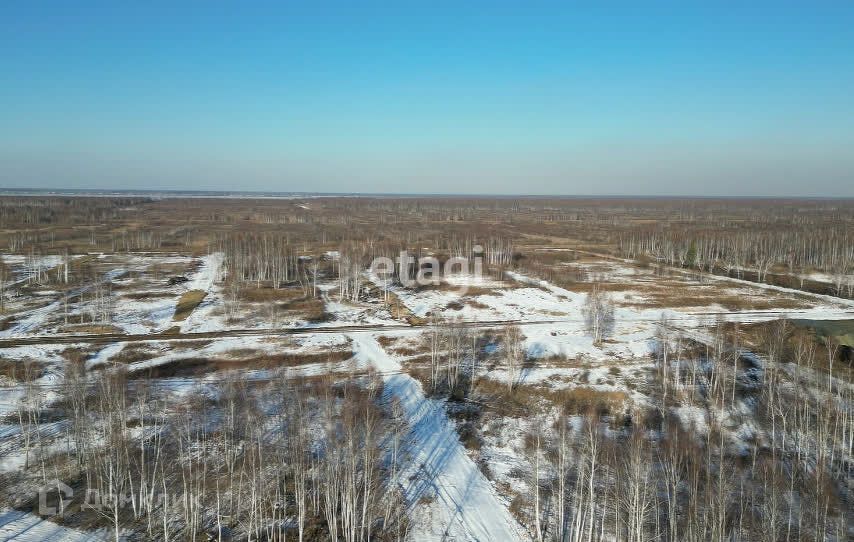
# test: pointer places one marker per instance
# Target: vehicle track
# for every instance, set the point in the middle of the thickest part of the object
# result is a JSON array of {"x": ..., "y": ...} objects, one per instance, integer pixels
[{"x": 169, "y": 335}]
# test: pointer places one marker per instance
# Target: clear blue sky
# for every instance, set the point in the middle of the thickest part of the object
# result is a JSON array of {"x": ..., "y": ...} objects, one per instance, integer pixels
[{"x": 455, "y": 97}]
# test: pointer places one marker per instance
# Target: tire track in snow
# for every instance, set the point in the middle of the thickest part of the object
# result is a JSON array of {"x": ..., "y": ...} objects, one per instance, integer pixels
[{"x": 466, "y": 506}]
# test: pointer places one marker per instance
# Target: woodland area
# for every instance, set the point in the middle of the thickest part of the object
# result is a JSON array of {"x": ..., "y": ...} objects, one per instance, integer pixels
[
  {"x": 232, "y": 369},
  {"x": 760, "y": 240}
]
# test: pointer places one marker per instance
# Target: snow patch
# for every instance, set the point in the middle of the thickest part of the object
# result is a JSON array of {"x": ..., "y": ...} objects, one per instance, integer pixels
[{"x": 466, "y": 506}]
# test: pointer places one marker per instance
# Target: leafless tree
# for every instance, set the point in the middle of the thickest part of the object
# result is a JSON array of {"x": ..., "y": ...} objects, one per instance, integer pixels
[
  {"x": 513, "y": 353},
  {"x": 599, "y": 314}
]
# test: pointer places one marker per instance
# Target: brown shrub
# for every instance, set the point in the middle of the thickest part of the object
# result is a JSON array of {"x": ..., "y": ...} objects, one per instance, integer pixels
[
  {"x": 197, "y": 366},
  {"x": 311, "y": 308},
  {"x": 132, "y": 354},
  {"x": 19, "y": 371},
  {"x": 94, "y": 329},
  {"x": 583, "y": 399}
]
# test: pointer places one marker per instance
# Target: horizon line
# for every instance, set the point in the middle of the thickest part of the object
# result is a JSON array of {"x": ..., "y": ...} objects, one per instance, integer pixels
[{"x": 275, "y": 194}]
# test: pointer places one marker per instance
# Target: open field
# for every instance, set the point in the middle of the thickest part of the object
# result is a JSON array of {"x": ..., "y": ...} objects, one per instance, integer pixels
[{"x": 645, "y": 365}]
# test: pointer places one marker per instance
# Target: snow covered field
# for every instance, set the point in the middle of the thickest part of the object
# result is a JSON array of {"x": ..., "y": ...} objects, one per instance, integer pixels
[
  {"x": 456, "y": 498},
  {"x": 17, "y": 526}
]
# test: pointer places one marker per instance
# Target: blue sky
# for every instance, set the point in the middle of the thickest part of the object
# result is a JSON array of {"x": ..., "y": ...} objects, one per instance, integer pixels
[{"x": 441, "y": 97}]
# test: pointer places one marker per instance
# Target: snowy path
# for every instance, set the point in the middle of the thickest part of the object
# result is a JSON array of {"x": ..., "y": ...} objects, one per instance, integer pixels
[
  {"x": 205, "y": 279},
  {"x": 466, "y": 506},
  {"x": 208, "y": 273},
  {"x": 27, "y": 527}
]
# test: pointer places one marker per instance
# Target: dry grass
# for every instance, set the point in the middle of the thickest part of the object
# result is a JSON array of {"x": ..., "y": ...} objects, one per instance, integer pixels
[
  {"x": 685, "y": 294},
  {"x": 672, "y": 290},
  {"x": 250, "y": 360},
  {"x": 386, "y": 341},
  {"x": 94, "y": 329},
  {"x": 187, "y": 303},
  {"x": 586, "y": 287},
  {"x": 683, "y": 298},
  {"x": 397, "y": 308},
  {"x": 196, "y": 344},
  {"x": 476, "y": 304},
  {"x": 289, "y": 299},
  {"x": 312, "y": 309},
  {"x": 133, "y": 354},
  {"x": 454, "y": 306},
  {"x": 270, "y": 294},
  {"x": 406, "y": 350},
  {"x": 524, "y": 399},
  {"x": 401, "y": 346},
  {"x": 474, "y": 291},
  {"x": 76, "y": 355},
  {"x": 143, "y": 296},
  {"x": 583, "y": 399}
]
